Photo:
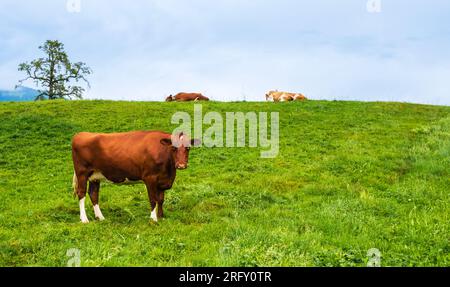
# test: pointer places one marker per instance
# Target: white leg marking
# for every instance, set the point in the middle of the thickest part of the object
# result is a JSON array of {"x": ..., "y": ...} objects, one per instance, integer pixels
[
  {"x": 98, "y": 213},
  {"x": 83, "y": 215},
  {"x": 153, "y": 215}
]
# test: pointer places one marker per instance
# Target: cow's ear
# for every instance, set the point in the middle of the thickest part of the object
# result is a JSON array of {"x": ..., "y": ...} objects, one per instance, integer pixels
[
  {"x": 166, "y": 141},
  {"x": 195, "y": 142}
]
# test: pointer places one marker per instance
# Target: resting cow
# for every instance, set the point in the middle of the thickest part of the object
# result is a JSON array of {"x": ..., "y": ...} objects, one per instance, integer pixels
[
  {"x": 276, "y": 96},
  {"x": 185, "y": 97},
  {"x": 138, "y": 156}
]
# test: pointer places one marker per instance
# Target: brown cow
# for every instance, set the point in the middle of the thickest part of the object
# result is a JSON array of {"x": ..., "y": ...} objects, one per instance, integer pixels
[
  {"x": 185, "y": 97},
  {"x": 138, "y": 156}
]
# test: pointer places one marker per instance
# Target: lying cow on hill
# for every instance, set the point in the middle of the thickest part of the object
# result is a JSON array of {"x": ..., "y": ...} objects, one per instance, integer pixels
[
  {"x": 185, "y": 97},
  {"x": 151, "y": 157},
  {"x": 276, "y": 96}
]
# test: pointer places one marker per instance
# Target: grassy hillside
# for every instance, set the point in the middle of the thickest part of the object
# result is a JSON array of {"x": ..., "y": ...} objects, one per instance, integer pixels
[{"x": 349, "y": 177}]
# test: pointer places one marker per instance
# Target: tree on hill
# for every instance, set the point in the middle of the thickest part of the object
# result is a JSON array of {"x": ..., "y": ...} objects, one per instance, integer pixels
[{"x": 55, "y": 74}]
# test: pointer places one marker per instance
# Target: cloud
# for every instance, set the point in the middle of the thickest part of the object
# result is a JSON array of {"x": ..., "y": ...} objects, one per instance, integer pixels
[{"x": 232, "y": 50}]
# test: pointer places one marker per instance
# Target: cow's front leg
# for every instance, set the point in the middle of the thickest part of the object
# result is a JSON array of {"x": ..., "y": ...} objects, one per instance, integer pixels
[
  {"x": 94, "y": 189},
  {"x": 160, "y": 203},
  {"x": 152, "y": 191}
]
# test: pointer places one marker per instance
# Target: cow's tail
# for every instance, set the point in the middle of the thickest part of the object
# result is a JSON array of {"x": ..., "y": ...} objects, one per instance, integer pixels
[{"x": 74, "y": 184}]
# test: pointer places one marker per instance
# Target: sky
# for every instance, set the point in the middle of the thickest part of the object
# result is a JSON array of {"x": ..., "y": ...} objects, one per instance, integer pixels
[{"x": 232, "y": 50}]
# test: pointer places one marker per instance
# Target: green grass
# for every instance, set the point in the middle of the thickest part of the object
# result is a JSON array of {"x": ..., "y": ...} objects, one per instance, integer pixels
[{"x": 350, "y": 176}]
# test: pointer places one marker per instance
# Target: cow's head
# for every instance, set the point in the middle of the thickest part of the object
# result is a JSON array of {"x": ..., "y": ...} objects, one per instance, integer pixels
[
  {"x": 180, "y": 145},
  {"x": 269, "y": 95},
  {"x": 169, "y": 98}
]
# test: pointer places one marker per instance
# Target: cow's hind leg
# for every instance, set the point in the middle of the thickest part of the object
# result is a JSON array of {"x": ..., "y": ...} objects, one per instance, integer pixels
[
  {"x": 152, "y": 196},
  {"x": 81, "y": 192},
  {"x": 75, "y": 184},
  {"x": 94, "y": 189}
]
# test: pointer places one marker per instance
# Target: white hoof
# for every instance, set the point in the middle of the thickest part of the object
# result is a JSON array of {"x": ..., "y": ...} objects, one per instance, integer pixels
[
  {"x": 153, "y": 215},
  {"x": 98, "y": 213},
  {"x": 83, "y": 215}
]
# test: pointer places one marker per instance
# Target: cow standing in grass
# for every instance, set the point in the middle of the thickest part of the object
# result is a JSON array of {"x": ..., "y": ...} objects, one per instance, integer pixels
[{"x": 151, "y": 157}]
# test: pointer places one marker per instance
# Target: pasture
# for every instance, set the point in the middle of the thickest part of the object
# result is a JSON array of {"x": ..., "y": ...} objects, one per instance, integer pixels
[{"x": 349, "y": 176}]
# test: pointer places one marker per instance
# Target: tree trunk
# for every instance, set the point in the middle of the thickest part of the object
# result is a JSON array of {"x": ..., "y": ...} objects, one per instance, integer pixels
[{"x": 51, "y": 89}]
